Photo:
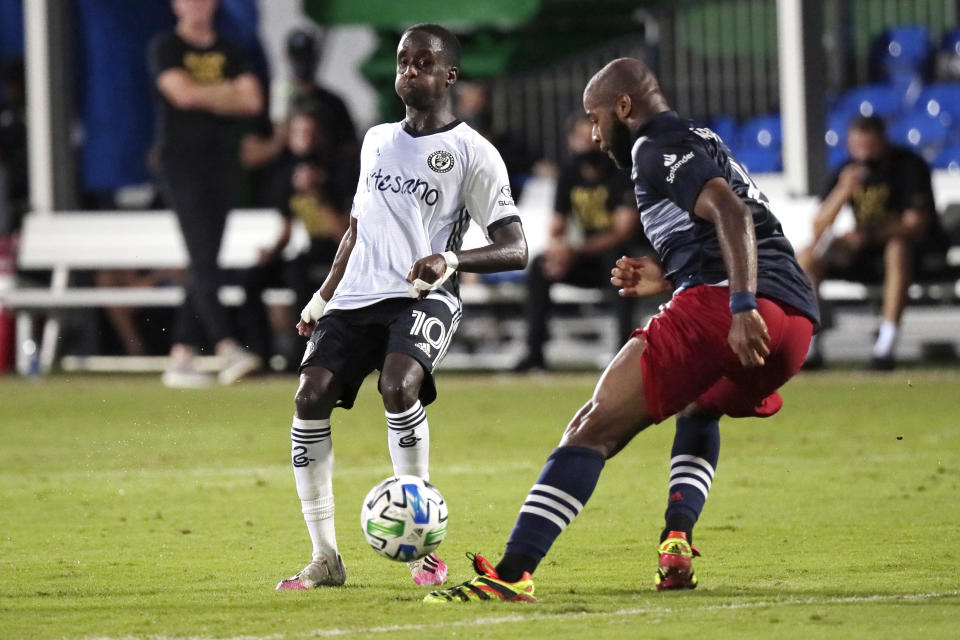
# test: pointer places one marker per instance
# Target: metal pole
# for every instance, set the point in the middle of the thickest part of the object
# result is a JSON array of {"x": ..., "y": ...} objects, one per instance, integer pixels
[
  {"x": 802, "y": 93},
  {"x": 49, "y": 100},
  {"x": 40, "y": 149}
]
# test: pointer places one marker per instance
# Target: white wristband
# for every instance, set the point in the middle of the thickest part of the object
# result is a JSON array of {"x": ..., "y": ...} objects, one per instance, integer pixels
[
  {"x": 314, "y": 308},
  {"x": 453, "y": 262},
  {"x": 418, "y": 285}
]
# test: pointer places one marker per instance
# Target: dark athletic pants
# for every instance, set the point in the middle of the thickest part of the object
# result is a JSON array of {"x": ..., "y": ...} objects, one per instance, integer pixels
[{"x": 201, "y": 193}]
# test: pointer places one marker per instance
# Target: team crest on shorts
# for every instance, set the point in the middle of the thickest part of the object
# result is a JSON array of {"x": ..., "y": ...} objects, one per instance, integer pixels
[{"x": 440, "y": 161}]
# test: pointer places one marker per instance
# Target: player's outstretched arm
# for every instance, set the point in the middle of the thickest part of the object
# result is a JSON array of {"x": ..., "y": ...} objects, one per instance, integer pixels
[
  {"x": 639, "y": 277},
  {"x": 718, "y": 204},
  {"x": 507, "y": 252},
  {"x": 314, "y": 309}
]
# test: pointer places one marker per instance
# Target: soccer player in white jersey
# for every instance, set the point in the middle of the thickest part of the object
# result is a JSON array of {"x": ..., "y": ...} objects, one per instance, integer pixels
[{"x": 391, "y": 300}]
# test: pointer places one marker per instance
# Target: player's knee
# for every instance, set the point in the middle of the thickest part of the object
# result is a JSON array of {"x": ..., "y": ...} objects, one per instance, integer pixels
[
  {"x": 399, "y": 394},
  {"x": 588, "y": 428},
  {"x": 314, "y": 400}
]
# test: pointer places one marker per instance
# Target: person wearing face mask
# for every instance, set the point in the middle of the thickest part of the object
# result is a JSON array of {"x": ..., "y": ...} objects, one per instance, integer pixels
[
  {"x": 888, "y": 187},
  {"x": 598, "y": 200},
  {"x": 304, "y": 93}
]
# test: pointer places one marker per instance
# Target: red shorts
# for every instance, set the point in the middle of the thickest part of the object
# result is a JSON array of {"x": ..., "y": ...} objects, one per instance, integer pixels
[{"x": 687, "y": 357}]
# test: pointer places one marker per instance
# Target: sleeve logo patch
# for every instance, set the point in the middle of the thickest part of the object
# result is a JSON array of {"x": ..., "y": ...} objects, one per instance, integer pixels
[
  {"x": 669, "y": 159},
  {"x": 507, "y": 196},
  {"x": 440, "y": 161}
]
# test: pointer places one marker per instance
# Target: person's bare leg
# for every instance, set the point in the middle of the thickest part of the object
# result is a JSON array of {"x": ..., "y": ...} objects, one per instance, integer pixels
[
  {"x": 897, "y": 259},
  {"x": 602, "y": 427}
]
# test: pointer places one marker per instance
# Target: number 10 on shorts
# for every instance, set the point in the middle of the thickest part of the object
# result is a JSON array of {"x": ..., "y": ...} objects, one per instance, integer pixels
[{"x": 430, "y": 328}]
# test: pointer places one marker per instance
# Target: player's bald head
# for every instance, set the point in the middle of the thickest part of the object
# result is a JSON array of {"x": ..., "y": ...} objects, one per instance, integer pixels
[{"x": 625, "y": 77}]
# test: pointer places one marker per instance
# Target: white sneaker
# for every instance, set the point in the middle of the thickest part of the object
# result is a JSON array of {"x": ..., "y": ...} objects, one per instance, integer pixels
[
  {"x": 322, "y": 572},
  {"x": 237, "y": 364},
  {"x": 185, "y": 375}
]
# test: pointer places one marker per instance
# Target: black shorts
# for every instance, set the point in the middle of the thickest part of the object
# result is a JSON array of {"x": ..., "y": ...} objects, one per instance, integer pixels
[{"x": 351, "y": 343}]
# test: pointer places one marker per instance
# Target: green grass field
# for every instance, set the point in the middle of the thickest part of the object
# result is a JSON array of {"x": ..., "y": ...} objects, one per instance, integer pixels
[{"x": 134, "y": 511}]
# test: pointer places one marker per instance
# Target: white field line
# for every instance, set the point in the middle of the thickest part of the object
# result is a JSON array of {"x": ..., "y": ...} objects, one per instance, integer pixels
[{"x": 434, "y": 627}]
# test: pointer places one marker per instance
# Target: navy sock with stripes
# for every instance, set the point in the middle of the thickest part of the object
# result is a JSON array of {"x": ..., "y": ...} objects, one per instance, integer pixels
[
  {"x": 693, "y": 462},
  {"x": 564, "y": 486}
]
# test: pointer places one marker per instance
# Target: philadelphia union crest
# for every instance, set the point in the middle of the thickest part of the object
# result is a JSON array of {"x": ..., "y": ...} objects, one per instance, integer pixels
[{"x": 440, "y": 161}]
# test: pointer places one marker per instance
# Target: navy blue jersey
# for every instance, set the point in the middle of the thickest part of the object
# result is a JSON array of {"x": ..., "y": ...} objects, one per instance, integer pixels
[{"x": 672, "y": 160}]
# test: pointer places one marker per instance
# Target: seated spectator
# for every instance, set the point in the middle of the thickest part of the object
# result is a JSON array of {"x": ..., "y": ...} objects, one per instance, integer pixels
[
  {"x": 593, "y": 195},
  {"x": 473, "y": 103},
  {"x": 309, "y": 189},
  {"x": 304, "y": 93},
  {"x": 889, "y": 189}
]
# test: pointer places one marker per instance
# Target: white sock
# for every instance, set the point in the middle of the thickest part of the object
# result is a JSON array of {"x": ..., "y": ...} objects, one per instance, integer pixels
[
  {"x": 312, "y": 456},
  {"x": 408, "y": 435},
  {"x": 886, "y": 339}
]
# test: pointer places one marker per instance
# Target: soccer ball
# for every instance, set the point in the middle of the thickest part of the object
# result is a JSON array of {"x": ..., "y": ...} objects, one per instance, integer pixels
[{"x": 404, "y": 518}]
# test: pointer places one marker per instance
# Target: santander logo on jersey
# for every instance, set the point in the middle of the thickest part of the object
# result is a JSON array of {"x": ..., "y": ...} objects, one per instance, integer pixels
[{"x": 676, "y": 164}]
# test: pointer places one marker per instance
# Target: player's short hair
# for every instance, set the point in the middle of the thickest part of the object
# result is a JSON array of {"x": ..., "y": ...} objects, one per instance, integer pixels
[
  {"x": 868, "y": 124},
  {"x": 449, "y": 43}
]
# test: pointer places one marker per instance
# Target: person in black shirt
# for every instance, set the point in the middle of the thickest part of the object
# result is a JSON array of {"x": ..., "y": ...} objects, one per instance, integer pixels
[
  {"x": 302, "y": 94},
  {"x": 889, "y": 189},
  {"x": 304, "y": 190},
  {"x": 594, "y": 197},
  {"x": 204, "y": 87},
  {"x": 736, "y": 329}
]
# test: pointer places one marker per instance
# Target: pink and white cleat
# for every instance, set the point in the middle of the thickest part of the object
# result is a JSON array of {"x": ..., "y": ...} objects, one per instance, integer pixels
[
  {"x": 428, "y": 571},
  {"x": 322, "y": 572}
]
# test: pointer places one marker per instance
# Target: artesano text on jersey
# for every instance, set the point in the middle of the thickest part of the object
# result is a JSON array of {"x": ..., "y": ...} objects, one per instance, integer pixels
[{"x": 416, "y": 197}]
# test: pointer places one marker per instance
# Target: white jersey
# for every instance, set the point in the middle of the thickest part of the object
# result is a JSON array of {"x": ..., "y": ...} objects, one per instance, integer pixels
[{"x": 416, "y": 196}]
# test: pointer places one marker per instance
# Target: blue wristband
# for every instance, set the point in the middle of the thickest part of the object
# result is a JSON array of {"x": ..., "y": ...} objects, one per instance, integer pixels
[{"x": 742, "y": 301}]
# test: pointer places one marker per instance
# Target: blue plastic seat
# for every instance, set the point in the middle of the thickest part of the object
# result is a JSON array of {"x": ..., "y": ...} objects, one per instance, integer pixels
[
  {"x": 764, "y": 132},
  {"x": 725, "y": 127},
  {"x": 903, "y": 51},
  {"x": 836, "y": 156},
  {"x": 836, "y": 135},
  {"x": 920, "y": 132},
  {"x": 948, "y": 158},
  {"x": 758, "y": 159},
  {"x": 939, "y": 99},
  {"x": 871, "y": 100}
]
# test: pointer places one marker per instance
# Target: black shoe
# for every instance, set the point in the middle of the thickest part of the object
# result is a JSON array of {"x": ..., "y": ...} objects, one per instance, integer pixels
[
  {"x": 881, "y": 364},
  {"x": 529, "y": 364}
]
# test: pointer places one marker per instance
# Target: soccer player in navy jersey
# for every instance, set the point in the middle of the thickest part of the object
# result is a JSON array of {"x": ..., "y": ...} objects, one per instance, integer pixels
[{"x": 737, "y": 328}]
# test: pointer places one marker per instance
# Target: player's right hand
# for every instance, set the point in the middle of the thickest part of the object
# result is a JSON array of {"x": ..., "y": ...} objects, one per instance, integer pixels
[
  {"x": 638, "y": 277},
  {"x": 748, "y": 338},
  {"x": 305, "y": 328},
  {"x": 311, "y": 313}
]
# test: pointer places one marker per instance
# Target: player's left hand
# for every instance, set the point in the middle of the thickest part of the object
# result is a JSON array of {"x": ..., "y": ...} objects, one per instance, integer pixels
[
  {"x": 429, "y": 269},
  {"x": 748, "y": 338},
  {"x": 638, "y": 277}
]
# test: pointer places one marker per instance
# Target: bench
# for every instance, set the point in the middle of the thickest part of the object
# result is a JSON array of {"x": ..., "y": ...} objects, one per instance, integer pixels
[{"x": 66, "y": 242}]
